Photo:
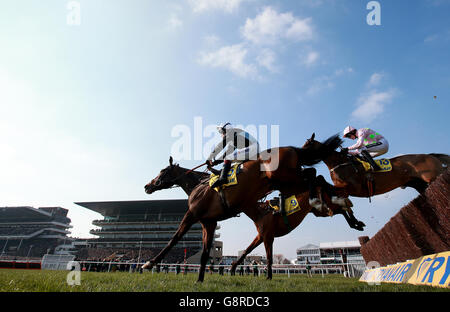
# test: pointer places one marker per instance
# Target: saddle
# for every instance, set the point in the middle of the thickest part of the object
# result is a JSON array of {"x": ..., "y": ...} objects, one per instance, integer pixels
[
  {"x": 231, "y": 178},
  {"x": 383, "y": 163}
]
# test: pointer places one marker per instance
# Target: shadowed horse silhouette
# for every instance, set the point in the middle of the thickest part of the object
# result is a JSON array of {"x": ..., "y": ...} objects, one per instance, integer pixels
[
  {"x": 275, "y": 169},
  {"x": 350, "y": 178},
  {"x": 268, "y": 225}
]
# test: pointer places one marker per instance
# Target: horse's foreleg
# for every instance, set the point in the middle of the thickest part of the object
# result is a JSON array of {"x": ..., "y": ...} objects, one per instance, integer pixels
[
  {"x": 208, "y": 235},
  {"x": 268, "y": 244},
  {"x": 256, "y": 242},
  {"x": 359, "y": 225},
  {"x": 184, "y": 226}
]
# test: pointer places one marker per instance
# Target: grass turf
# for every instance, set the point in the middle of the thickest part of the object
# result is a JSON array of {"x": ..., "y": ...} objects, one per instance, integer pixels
[{"x": 55, "y": 281}]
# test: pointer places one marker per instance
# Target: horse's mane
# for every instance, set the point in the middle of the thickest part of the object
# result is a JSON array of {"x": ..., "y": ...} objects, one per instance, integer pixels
[
  {"x": 332, "y": 143},
  {"x": 305, "y": 157}
]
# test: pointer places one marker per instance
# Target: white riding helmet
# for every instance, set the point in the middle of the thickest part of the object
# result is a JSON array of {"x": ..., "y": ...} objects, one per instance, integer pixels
[
  {"x": 347, "y": 130},
  {"x": 222, "y": 128}
]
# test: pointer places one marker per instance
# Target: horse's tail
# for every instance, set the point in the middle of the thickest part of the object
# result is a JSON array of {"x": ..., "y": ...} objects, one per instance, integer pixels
[{"x": 443, "y": 158}]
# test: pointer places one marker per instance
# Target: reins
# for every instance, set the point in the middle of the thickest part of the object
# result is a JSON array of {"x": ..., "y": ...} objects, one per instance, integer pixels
[{"x": 181, "y": 175}]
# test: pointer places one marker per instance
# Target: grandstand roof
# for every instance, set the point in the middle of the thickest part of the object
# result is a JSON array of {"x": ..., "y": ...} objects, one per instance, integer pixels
[
  {"x": 308, "y": 246},
  {"x": 114, "y": 208},
  {"x": 24, "y": 214},
  {"x": 346, "y": 244}
]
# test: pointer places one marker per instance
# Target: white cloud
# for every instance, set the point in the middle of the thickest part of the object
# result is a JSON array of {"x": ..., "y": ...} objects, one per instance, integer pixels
[
  {"x": 211, "y": 40},
  {"x": 371, "y": 105},
  {"x": 327, "y": 82},
  {"x": 269, "y": 27},
  {"x": 431, "y": 38},
  {"x": 228, "y": 6},
  {"x": 232, "y": 58},
  {"x": 375, "y": 79},
  {"x": 311, "y": 58},
  {"x": 267, "y": 60},
  {"x": 174, "y": 22}
]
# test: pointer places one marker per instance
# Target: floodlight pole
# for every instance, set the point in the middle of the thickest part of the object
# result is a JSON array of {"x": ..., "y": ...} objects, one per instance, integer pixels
[
  {"x": 4, "y": 247},
  {"x": 31, "y": 246}
]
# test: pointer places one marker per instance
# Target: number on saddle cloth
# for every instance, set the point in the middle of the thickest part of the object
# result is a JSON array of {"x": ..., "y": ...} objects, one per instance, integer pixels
[
  {"x": 232, "y": 177},
  {"x": 291, "y": 205},
  {"x": 385, "y": 164}
]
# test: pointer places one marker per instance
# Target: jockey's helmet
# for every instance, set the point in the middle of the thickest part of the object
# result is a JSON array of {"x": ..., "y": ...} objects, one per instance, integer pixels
[
  {"x": 348, "y": 130},
  {"x": 222, "y": 128}
]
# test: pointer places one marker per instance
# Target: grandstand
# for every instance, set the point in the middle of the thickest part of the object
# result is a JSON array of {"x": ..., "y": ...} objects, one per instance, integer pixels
[
  {"x": 27, "y": 232},
  {"x": 331, "y": 253},
  {"x": 140, "y": 229}
]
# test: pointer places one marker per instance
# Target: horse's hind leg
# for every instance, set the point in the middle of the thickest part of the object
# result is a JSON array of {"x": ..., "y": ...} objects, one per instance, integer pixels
[
  {"x": 184, "y": 226},
  {"x": 208, "y": 235},
  {"x": 256, "y": 242},
  {"x": 268, "y": 244}
]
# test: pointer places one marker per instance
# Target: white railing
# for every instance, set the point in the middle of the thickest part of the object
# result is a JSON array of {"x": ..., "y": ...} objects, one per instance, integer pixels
[{"x": 347, "y": 269}]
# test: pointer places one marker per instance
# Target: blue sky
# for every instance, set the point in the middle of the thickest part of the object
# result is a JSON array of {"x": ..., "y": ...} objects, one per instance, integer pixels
[{"x": 87, "y": 111}]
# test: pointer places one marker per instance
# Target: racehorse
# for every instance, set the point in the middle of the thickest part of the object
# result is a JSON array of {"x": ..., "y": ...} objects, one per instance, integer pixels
[
  {"x": 350, "y": 178},
  {"x": 268, "y": 225}
]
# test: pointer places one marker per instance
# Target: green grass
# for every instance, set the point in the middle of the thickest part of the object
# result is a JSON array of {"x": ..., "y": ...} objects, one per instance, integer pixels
[{"x": 55, "y": 281}]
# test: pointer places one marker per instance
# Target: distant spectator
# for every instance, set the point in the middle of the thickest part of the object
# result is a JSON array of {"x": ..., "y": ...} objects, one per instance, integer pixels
[
  {"x": 308, "y": 268},
  {"x": 255, "y": 268}
]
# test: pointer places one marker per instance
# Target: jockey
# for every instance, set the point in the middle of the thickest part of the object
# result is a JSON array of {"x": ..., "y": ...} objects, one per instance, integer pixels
[
  {"x": 370, "y": 144},
  {"x": 238, "y": 145}
]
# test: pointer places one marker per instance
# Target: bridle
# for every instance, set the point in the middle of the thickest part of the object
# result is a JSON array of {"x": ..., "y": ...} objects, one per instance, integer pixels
[{"x": 172, "y": 181}]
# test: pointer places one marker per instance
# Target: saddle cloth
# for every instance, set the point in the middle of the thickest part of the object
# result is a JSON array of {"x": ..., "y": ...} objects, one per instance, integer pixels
[
  {"x": 291, "y": 205},
  {"x": 385, "y": 164},
  {"x": 232, "y": 177}
]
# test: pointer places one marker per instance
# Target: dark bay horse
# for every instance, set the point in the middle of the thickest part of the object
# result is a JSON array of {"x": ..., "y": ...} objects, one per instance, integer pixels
[
  {"x": 275, "y": 169},
  {"x": 350, "y": 178},
  {"x": 268, "y": 225}
]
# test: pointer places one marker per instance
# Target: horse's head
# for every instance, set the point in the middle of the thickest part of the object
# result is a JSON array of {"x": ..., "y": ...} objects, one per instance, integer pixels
[
  {"x": 311, "y": 144},
  {"x": 330, "y": 144},
  {"x": 314, "y": 150},
  {"x": 165, "y": 179}
]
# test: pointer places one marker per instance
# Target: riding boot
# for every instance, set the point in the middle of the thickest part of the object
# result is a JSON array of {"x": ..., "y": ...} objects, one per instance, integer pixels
[
  {"x": 282, "y": 204},
  {"x": 370, "y": 160},
  {"x": 223, "y": 175}
]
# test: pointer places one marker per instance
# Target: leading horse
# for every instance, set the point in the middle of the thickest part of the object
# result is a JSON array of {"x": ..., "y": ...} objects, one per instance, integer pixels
[
  {"x": 268, "y": 225},
  {"x": 275, "y": 169},
  {"x": 351, "y": 179}
]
